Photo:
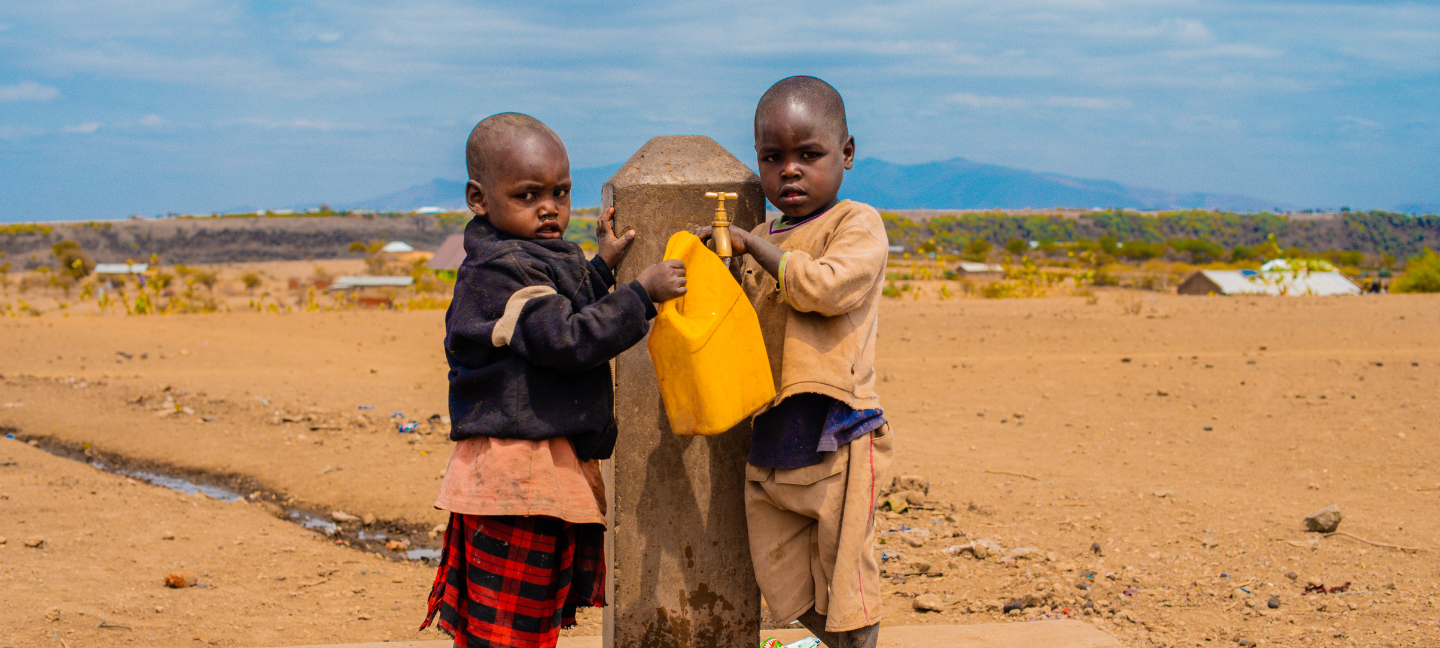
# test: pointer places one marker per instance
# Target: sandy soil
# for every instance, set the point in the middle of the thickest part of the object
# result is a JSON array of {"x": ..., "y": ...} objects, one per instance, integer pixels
[{"x": 1185, "y": 442}]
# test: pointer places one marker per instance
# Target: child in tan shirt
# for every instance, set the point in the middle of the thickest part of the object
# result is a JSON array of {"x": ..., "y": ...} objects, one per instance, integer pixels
[{"x": 819, "y": 450}]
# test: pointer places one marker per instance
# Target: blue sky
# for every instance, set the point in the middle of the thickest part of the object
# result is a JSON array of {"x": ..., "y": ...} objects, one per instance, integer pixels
[{"x": 109, "y": 108}]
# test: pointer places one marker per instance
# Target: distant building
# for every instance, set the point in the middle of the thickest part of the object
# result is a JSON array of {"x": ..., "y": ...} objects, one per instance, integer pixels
[
  {"x": 351, "y": 282},
  {"x": 397, "y": 247},
  {"x": 121, "y": 268},
  {"x": 448, "y": 258},
  {"x": 1250, "y": 282},
  {"x": 972, "y": 267}
]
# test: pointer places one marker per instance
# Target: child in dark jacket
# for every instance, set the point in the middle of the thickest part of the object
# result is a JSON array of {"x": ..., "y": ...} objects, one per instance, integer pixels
[{"x": 529, "y": 336}]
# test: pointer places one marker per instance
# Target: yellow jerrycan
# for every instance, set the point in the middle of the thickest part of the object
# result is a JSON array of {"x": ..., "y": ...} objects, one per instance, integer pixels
[{"x": 707, "y": 348}]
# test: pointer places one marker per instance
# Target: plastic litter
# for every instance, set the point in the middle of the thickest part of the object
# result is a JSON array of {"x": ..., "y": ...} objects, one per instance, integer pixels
[
  {"x": 406, "y": 427},
  {"x": 808, "y": 642},
  {"x": 369, "y": 407}
]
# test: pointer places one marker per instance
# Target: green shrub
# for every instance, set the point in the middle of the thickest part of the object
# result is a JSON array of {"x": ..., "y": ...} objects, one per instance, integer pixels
[{"x": 1422, "y": 274}]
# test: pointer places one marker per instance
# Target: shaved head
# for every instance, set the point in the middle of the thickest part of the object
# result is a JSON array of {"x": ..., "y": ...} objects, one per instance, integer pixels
[
  {"x": 495, "y": 135},
  {"x": 805, "y": 94}
]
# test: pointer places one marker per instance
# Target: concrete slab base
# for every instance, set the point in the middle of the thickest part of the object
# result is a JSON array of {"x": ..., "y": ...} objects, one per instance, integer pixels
[{"x": 1023, "y": 634}]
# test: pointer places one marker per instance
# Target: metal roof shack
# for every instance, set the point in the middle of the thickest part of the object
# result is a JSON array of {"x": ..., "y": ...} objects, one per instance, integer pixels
[
  {"x": 450, "y": 255},
  {"x": 348, "y": 282},
  {"x": 1251, "y": 282},
  {"x": 121, "y": 268},
  {"x": 971, "y": 267}
]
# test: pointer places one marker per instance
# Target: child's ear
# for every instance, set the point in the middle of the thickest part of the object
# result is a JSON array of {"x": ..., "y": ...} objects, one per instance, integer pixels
[
  {"x": 848, "y": 150},
  {"x": 475, "y": 197}
]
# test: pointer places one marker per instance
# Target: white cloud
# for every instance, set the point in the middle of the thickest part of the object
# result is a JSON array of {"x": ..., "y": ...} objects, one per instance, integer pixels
[
  {"x": 152, "y": 121},
  {"x": 83, "y": 127},
  {"x": 983, "y": 101},
  {"x": 328, "y": 37},
  {"x": 1359, "y": 121},
  {"x": 17, "y": 133},
  {"x": 1088, "y": 103},
  {"x": 296, "y": 124},
  {"x": 28, "y": 91},
  {"x": 1187, "y": 31}
]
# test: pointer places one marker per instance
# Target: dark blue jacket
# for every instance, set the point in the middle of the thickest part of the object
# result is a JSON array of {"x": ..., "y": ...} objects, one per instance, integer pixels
[{"x": 529, "y": 337}]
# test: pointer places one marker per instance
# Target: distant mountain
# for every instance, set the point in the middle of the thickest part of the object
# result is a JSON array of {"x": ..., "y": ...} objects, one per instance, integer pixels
[
  {"x": 952, "y": 184},
  {"x": 1418, "y": 209},
  {"x": 450, "y": 194},
  {"x": 962, "y": 184},
  {"x": 439, "y": 192}
]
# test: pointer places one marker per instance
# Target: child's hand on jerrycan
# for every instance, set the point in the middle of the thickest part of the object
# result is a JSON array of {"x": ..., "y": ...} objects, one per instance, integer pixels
[{"x": 664, "y": 280}]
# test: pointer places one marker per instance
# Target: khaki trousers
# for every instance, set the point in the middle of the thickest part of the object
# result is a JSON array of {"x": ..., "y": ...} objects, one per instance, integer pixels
[{"x": 812, "y": 534}]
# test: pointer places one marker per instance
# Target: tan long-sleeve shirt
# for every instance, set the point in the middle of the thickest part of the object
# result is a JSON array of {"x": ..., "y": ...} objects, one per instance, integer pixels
[{"x": 820, "y": 316}]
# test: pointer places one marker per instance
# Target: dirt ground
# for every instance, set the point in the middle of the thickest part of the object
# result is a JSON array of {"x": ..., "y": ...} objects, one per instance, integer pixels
[{"x": 1142, "y": 462}]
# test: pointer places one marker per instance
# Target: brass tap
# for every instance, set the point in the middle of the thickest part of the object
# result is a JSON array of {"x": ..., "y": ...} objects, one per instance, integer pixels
[{"x": 720, "y": 229}]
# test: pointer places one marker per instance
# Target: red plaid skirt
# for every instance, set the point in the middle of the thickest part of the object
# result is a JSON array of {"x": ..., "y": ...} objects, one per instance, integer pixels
[{"x": 514, "y": 582}]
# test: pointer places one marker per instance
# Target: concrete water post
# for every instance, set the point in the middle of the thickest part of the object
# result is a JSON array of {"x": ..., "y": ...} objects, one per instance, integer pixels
[{"x": 679, "y": 560}]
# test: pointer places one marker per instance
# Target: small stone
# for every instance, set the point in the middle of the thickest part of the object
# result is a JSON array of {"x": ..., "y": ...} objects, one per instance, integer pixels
[
  {"x": 920, "y": 567},
  {"x": 1021, "y": 552},
  {"x": 1013, "y": 606},
  {"x": 341, "y": 516},
  {"x": 1273, "y": 603},
  {"x": 914, "y": 540},
  {"x": 897, "y": 504},
  {"x": 367, "y": 519},
  {"x": 1095, "y": 548},
  {"x": 928, "y": 603},
  {"x": 35, "y": 542},
  {"x": 180, "y": 580},
  {"x": 159, "y": 609},
  {"x": 397, "y": 545},
  {"x": 1291, "y": 575},
  {"x": 4, "y": 540},
  {"x": 1325, "y": 520},
  {"x": 1210, "y": 543},
  {"x": 167, "y": 536},
  {"x": 1250, "y": 603},
  {"x": 910, "y": 483},
  {"x": 52, "y": 615}
]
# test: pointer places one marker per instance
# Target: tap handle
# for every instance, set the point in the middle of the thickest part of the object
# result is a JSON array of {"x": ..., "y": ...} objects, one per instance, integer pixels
[{"x": 720, "y": 228}]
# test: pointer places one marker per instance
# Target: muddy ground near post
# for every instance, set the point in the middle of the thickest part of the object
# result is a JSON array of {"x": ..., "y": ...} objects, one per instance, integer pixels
[{"x": 1156, "y": 466}]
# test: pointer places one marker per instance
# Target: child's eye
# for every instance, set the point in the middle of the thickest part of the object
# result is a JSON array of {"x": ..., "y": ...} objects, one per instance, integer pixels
[
  {"x": 561, "y": 193},
  {"x": 527, "y": 196}
]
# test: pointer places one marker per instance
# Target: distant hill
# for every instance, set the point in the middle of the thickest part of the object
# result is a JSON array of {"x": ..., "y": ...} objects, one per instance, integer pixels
[
  {"x": 952, "y": 184},
  {"x": 1417, "y": 209},
  {"x": 450, "y": 194},
  {"x": 962, "y": 184}
]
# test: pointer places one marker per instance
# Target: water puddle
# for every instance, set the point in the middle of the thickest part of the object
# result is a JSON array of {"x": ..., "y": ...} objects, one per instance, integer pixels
[
  {"x": 353, "y": 535},
  {"x": 173, "y": 483}
]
